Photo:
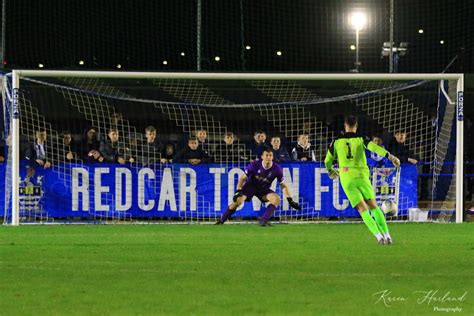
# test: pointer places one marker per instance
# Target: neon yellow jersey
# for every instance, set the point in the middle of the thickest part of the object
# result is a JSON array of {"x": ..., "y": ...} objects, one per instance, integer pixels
[{"x": 349, "y": 150}]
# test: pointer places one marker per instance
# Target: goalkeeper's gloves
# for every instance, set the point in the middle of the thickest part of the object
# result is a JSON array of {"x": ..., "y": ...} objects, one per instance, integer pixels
[
  {"x": 394, "y": 160},
  {"x": 237, "y": 194},
  {"x": 293, "y": 204},
  {"x": 333, "y": 173}
]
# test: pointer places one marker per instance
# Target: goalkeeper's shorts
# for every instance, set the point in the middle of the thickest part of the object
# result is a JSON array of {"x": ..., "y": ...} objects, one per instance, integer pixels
[
  {"x": 357, "y": 190},
  {"x": 250, "y": 190}
]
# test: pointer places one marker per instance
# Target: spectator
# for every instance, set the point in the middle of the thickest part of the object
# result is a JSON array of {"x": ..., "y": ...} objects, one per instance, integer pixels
[
  {"x": 24, "y": 146},
  {"x": 258, "y": 145},
  {"x": 36, "y": 153},
  {"x": 91, "y": 146},
  {"x": 129, "y": 151},
  {"x": 2, "y": 152},
  {"x": 399, "y": 149},
  {"x": 116, "y": 120},
  {"x": 152, "y": 148},
  {"x": 168, "y": 154},
  {"x": 374, "y": 160},
  {"x": 69, "y": 149},
  {"x": 201, "y": 136},
  {"x": 302, "y": 150},
  {"x": 228, "y": 151},
  {"x": 193, "y": 153},
  {"x": 109, "y": 149},
  {"x": 280, "y": 154}
]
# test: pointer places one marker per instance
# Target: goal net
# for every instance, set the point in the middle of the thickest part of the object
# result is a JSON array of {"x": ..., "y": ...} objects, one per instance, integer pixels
[{"x": 169, "y": 147}]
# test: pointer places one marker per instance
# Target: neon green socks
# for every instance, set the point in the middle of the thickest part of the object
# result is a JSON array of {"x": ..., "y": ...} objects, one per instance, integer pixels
[
  {"x": 371, "y": 224},
  {"x": 380, "y": 219}
]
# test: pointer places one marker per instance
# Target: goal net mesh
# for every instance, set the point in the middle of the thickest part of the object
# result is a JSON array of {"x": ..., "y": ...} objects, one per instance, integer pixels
[{"x": 86, "y": 155}]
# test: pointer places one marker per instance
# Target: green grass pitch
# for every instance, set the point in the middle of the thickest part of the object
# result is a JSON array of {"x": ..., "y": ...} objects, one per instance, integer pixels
[{"x": 326, "y": 269}]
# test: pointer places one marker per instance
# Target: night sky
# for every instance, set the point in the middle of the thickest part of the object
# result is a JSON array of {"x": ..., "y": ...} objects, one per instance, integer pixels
[{"x": 313, "y": 36}]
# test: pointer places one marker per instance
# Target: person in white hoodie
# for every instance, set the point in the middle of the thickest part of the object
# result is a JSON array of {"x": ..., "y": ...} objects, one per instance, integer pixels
[{"x": 303, "y": 150}]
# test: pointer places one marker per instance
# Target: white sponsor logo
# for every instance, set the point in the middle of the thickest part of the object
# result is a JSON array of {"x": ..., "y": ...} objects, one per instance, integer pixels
[
  {"x": 16, "y": 104},
  {"x": 460, "y": 105}
]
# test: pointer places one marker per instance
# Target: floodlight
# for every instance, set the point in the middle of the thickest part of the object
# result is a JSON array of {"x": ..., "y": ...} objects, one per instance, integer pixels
[{"x": 358, "y": 20}]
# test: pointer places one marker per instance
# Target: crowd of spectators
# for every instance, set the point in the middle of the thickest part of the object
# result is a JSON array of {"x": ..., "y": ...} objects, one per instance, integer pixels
[
  {"x": 118, "y": 144},
  {"x": 148, "y": 149}
]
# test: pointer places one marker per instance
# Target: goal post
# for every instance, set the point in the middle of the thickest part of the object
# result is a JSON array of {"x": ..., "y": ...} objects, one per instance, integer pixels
[
  {"x": 15, "y": 142},
  {"x": 17, "y": 75},
  {"x": 459, "y": 148}
]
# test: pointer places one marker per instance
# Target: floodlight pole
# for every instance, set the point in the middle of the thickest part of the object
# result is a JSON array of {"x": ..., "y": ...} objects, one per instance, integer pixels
[
  {"x": 358, "y": 20},
  {"x": 390, "y": 56},
  {"x": 198, "y": 35},
  {"x": 357, "y": 62}
]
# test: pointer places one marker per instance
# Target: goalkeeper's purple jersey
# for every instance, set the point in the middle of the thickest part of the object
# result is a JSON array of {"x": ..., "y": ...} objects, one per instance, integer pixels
[{"x": 262, "y": 178}]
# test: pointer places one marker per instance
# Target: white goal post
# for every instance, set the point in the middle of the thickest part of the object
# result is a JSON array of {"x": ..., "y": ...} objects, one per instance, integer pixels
[{"x": 18, "y": 74}]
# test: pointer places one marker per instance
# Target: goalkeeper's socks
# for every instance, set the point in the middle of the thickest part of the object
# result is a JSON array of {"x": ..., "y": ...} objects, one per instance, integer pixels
[
  {"x": 228, "y": 213},
  {"x": 371, "y": 224},
  {"x": 380, "y": 219},
  {"x": 268, "y": 213}
]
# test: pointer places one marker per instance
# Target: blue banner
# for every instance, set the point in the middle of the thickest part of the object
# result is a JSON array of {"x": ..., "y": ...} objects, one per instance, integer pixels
[{"x": 180, "y": 190}]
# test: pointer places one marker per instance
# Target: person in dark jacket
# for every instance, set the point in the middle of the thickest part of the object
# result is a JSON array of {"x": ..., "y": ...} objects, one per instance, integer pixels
[
  {"x": 400, "y": 149},
  {"x": 280, "y": 154},
  {"x": 258, "y": 145},
  {"x": 193, "y": 153},
  {"x": 228, "y": 151},
  {"x": 152, "y": 148},
  {"x": 168, "y": 153},
  {"x": 201, "y": 136},
  {"x": 90, "y": 146},
  {"x": 69, "y": 150},
  {"x": 2, "y": 151},
  {"x": 109, "y": 149}
]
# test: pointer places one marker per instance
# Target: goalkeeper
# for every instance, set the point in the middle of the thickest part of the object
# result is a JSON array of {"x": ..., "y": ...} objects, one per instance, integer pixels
[
  {"x": 257, "y": 180},
  {"x": 349, "y": 150}
]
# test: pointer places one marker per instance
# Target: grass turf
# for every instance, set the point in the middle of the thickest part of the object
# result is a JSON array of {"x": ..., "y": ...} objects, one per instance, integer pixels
[{"x": 233, "y": 269}]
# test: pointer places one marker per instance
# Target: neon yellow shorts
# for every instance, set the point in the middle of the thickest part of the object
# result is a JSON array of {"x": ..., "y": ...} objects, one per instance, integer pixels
[{"x": 357, "y": 190}]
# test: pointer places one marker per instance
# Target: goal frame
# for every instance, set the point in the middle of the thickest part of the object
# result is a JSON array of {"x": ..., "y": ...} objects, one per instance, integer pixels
[{"x": 18, "y": 74}]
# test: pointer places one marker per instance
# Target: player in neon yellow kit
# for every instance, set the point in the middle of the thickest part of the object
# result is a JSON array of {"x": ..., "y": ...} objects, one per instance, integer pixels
[{"x": 349, "y": 150}]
